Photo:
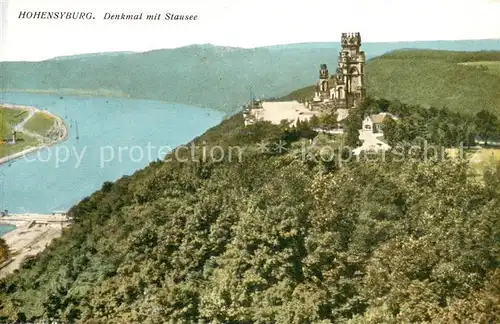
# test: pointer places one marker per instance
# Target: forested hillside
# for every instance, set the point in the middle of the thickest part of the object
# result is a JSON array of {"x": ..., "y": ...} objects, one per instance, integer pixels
[
  {"x": 4, "y": 251},
  {"x": 283, "y": 235},
  {"x": 438, "y": 78}
]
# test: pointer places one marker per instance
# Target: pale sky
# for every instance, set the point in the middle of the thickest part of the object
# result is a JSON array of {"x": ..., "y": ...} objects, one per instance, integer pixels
[{"x": 242, "y": 23}]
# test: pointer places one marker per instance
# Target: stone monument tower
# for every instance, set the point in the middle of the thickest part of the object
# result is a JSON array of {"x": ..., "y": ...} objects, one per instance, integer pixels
[
  {"x": 352, "y": 67},
  {"x": 347, "y": 88}
]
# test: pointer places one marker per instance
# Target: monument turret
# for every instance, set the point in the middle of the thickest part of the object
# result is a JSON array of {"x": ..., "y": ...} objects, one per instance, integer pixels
[
  {"x": 347, "y": 87},
  {"x": 323, "y": 71},
  {"x": 323, "y": 87}
]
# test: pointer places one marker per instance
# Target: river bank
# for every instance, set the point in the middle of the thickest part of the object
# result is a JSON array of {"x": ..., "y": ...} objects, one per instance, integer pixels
[
  {"x": 59, "y": 131},
  {"x": 33, "y": 233}
]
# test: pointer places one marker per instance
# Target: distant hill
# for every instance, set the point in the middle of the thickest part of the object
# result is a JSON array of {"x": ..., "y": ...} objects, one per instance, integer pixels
[
  {"x": 83, "y": 56},
  {"x": 373, "y": 49},
  {"x": 461, "y": 81},
  {"x": 211, "y": 76},
  {"x": 438, "y": 78}
]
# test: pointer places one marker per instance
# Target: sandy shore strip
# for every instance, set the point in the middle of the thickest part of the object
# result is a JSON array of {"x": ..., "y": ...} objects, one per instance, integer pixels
[
  {"x": 32, "y": 234},
  {"x": 58, "y": 128}
]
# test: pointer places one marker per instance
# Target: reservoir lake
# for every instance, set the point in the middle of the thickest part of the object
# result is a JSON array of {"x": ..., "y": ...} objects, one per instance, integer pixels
[{"x": 107, "y": 139}]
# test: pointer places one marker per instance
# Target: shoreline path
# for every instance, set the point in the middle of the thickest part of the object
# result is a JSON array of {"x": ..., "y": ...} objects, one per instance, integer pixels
[{"x": 33, "y": 233}]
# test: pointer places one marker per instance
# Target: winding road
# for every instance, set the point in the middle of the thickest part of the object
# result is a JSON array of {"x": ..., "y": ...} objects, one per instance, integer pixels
[{"x": 20, "y": 127}]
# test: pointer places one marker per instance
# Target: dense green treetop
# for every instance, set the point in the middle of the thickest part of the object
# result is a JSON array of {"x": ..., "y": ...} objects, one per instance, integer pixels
[{"x": 280, "y": 236}]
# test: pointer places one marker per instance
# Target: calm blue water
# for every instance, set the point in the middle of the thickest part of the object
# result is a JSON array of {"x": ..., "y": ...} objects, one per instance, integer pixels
[
  {"x": 113, "y": 133},
  {"x": 5, "y": 229}
]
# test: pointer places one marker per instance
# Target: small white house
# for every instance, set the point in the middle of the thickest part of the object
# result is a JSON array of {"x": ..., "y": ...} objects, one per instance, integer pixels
[{"x": 374, "y": 123}]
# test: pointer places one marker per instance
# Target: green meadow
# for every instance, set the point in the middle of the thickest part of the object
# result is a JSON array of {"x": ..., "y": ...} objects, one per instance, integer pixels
[
  {"x": 40, "y": 123},
  {"x": 486, "y": 66}
]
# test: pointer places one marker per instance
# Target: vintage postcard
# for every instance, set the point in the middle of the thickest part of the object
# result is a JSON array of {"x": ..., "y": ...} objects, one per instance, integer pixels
[{"x": 235, "y": 161}]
